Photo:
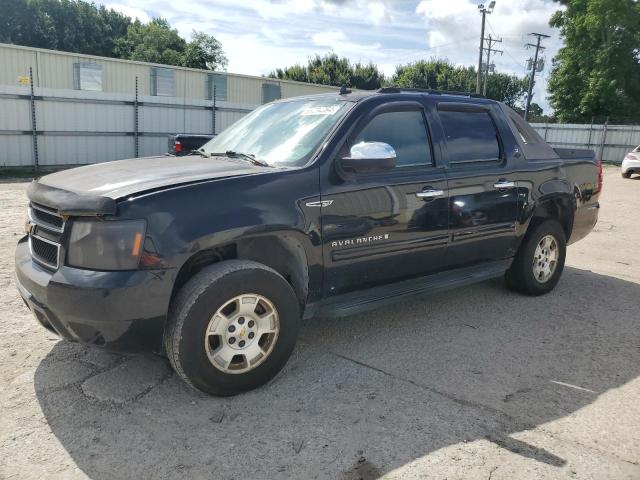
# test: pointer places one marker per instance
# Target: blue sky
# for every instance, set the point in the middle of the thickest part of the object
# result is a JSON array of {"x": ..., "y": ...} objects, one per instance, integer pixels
[{"x": 260, "y": 35}]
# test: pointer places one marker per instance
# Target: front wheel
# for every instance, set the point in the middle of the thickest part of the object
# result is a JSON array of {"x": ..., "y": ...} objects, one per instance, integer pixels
[
  {"x": 540, "y": 260},
  {"x": 232, "y": 327}
]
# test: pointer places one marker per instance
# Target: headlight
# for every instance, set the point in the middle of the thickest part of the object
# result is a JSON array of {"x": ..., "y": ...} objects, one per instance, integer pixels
[{"x": 106, "y": 245}]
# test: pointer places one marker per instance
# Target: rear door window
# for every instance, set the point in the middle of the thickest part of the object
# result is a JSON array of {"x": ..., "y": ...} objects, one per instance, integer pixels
[{"x": 471, "y": 136}]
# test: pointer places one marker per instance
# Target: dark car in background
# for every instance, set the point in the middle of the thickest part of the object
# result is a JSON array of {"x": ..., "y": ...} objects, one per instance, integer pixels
[
  {"x": 184, "y": 144},
  {"x": 331, "y": 204}
]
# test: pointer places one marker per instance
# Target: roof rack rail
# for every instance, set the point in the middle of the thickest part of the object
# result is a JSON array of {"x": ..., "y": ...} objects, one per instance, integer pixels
[{"x": 429, "y": 91}]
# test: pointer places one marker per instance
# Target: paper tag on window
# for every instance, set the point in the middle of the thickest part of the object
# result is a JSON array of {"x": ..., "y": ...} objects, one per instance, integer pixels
[{"x": 325, "y": 110}]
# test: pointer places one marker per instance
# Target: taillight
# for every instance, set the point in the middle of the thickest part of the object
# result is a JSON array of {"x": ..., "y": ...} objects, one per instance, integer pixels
[
  {"x": 177, "y": 146},
  {"x": 631, "y": 156},
  {"x": 599, "y": 175}
]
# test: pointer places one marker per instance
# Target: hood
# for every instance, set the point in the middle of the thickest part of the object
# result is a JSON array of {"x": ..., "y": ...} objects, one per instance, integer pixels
[{"x": 94, "y": 189}]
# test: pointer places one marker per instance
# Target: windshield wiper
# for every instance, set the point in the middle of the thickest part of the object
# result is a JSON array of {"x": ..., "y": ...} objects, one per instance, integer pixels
[{"x": 250, "y": 157}]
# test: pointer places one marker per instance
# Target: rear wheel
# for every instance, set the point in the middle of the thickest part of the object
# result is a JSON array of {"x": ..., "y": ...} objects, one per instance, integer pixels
[
  {"x": 626, "y": 175},
  {"x": 540, "y": 260},
  {"x": 232, "y": 327}
]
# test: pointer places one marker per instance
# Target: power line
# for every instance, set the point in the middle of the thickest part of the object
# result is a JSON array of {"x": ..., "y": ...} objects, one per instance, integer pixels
[
  {"x": 516, "y": 61},
  {"x": 421, "y": 53}
]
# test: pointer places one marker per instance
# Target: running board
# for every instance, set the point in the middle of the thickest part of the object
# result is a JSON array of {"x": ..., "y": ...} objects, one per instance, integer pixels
[{"x": 372, "y": 298}]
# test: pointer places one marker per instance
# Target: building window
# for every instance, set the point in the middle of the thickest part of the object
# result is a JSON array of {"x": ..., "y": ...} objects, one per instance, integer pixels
[
  {"x": 163, "y": 82},
  {"x": 218, "y": 81},
  {"x": 87, "y": 76},
  {"x": 270, "y": 92}
]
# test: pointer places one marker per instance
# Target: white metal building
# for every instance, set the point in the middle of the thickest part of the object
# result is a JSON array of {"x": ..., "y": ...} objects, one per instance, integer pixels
[
  {"x": 86, "y": 109},
  {"x": 72, "y": 71}
]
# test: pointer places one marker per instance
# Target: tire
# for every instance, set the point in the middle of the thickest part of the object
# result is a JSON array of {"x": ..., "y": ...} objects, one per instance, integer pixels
[
  {"x": 626, "y": 175},
  {"x": 190, "y": 346},
  {"x": 521, "y": 277}
]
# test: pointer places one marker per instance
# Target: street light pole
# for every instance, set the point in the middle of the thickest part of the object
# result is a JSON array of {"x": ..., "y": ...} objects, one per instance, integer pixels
[{"x": 483, "y": 10}]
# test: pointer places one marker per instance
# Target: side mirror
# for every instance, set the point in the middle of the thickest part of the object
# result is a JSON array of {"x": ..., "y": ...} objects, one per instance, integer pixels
[{"x": 369, "y": 157}]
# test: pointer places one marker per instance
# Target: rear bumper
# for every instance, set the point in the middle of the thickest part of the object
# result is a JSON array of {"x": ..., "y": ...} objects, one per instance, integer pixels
[
  {"x": 584, "y": 220},
  {"x": 630, "y": 166},
  {"x": 122, "y": 311}
]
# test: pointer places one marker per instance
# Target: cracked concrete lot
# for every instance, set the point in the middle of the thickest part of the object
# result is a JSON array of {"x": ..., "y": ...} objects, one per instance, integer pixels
[{"x": 474, "y": 383}]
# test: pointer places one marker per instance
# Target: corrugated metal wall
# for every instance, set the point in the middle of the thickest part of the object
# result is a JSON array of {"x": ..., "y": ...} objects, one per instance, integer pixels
[
  {"x": 610, "y": 142},
  {"x": 76, "y": 127}
]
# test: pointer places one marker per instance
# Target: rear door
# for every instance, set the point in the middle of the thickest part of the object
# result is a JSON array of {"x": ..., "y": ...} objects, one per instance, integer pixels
[
  {"x": 382, "y": 227},
  {"x": 483, "y": 198}
]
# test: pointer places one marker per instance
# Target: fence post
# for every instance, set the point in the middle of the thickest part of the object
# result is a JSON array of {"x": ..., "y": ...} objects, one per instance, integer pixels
[
  {"x": 34, "y": 130},
  {"x": 213, "y": 112},
  {"x": 590, "y": 131},
  {"x": 135, "y": 123},
  {"x": 546, "y": 129},
  {"x": 604, "y": 138}
]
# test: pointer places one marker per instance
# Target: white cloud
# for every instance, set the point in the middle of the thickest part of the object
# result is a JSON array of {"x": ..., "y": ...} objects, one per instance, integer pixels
[
  {"x": 328, "y": 39},
  {"x": 457, "y": 26},
  {"x": 261, "y": 35},
  {"x": 130, "y": 11},
  {"x": 377, "y": 12},
  {"x": 433, "y": 9}
]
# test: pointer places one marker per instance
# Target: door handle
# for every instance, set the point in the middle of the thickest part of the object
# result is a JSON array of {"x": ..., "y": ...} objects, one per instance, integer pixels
[
  {"x": 502, "y": 184},
  {"x": 430, "y": 193}
]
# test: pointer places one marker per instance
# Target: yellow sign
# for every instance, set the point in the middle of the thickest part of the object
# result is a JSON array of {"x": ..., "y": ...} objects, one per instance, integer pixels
[{"x": 23, "y": 80}]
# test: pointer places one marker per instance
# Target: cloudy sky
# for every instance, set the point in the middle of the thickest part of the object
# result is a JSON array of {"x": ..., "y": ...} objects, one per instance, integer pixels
[{"x": 260, "y": 35}]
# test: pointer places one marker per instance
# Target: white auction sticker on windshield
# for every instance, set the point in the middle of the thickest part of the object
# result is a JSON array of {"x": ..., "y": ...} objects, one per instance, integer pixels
[{"x": 325, "y": 110}]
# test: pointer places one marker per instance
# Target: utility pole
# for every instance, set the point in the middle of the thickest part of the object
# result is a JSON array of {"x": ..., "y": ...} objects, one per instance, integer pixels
[
  {"x": 491, "y": 41},
  {"x": 534, "y": 66},
  {"x": 483, "y": 10}
]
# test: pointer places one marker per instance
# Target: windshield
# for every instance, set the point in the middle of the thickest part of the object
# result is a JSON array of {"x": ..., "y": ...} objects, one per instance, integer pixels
[{"x": 285, "y": 133}]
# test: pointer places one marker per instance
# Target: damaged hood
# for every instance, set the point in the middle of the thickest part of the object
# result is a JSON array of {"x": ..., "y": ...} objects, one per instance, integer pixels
[{"x": 94, "y": 189}]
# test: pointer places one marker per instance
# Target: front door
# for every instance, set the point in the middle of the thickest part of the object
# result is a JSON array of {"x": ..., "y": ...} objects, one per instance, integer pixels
[{"x": 387, "y": 226}]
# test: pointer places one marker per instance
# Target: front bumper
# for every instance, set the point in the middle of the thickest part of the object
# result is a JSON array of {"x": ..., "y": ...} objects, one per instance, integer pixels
[{"x": 122, "y": 311}]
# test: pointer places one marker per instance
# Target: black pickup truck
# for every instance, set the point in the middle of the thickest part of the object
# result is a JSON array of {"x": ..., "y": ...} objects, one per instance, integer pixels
[{"x": 323, "y": 205}]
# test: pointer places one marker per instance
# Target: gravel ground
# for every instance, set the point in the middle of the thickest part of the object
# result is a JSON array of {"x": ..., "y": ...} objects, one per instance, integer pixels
[{"x": 475, "y": 383}]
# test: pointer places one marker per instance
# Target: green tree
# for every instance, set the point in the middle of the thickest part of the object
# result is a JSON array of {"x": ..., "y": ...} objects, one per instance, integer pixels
[
  {"x": 597, "y": 71},
  {"x": 205, "y": 51},
  {"x": 82, "y": 27},
  {"x": 440, "y": 74},
  {"x": 73, "y": 26},
  {"x": 154, "y": 42},
  {"x": 330, "y": 69}
]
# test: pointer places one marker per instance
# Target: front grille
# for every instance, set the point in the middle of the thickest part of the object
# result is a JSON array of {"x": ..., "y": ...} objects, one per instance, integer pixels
[
  {"x": 44, "y": 251},
  {"x": 46, "y": 217},
  {"x": 46, "y": 237}
]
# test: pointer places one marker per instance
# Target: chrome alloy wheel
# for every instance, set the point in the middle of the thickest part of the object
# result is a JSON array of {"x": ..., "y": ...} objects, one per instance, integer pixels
[
  {"x": 545, "y": 258},
  {"x": 242, "y": 333}
]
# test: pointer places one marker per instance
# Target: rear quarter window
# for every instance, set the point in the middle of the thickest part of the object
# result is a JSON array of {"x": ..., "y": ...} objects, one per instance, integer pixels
[{"x": 471, "y": 137}]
